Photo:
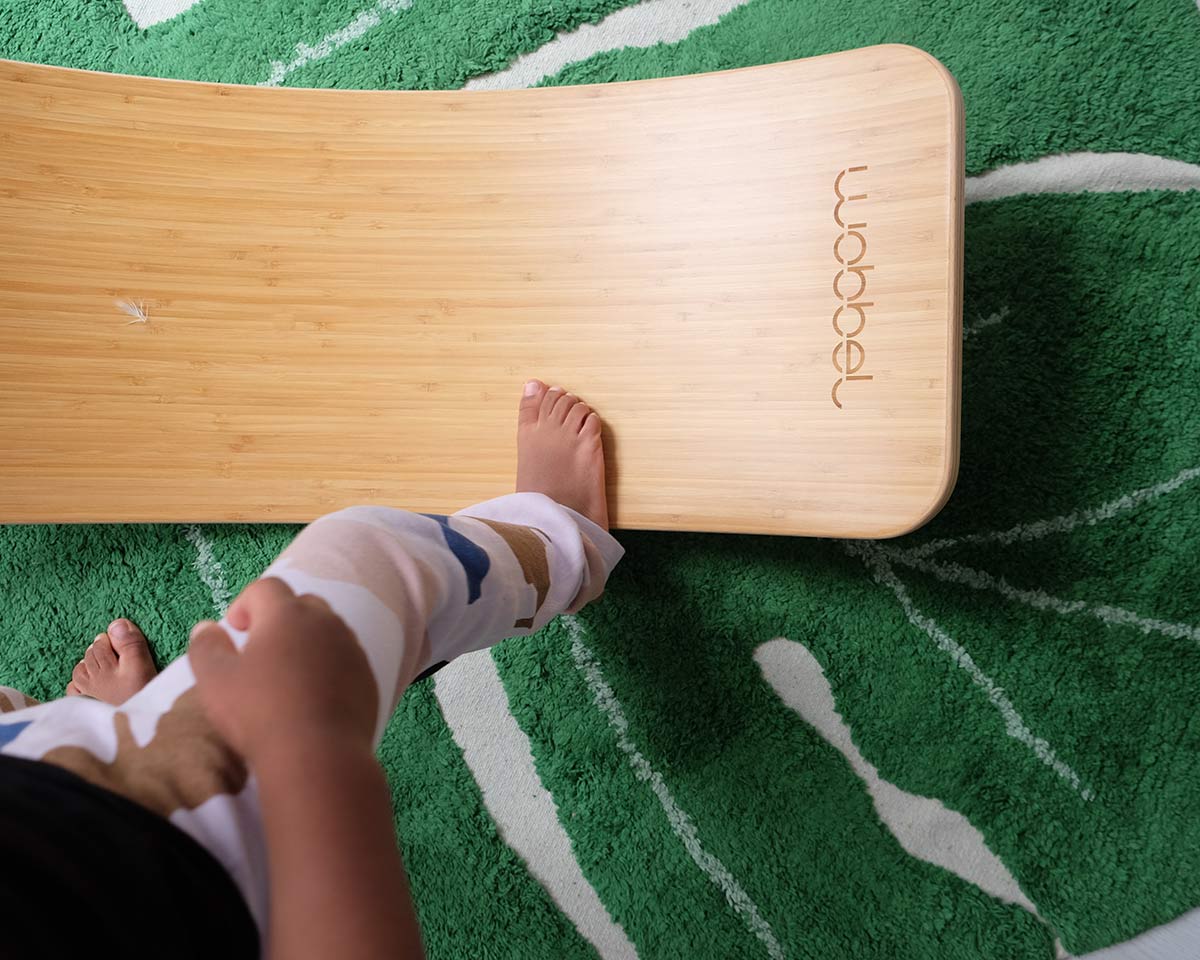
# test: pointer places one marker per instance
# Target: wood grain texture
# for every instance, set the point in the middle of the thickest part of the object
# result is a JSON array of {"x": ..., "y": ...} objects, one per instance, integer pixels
[{"x": 345, "y": 291}]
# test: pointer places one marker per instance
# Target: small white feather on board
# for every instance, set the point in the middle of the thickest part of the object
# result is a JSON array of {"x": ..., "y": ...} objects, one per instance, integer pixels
[{"x": 135, "y": 310}]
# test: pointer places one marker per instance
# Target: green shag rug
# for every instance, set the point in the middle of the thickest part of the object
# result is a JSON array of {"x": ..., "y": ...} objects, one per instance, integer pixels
[{"x": 977, "y": 741}]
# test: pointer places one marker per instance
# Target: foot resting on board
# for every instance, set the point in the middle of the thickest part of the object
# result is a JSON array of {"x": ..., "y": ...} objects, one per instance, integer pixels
[{"x": 559, "y": 451}]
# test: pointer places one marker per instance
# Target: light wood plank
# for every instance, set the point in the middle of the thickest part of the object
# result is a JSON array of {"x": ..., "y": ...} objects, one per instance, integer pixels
[{"x": 346, "y": 290}]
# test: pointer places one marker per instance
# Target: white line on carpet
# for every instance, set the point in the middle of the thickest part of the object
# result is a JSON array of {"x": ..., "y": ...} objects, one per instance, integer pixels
[
  {"x": 366, "y": 21},
  {"x": 642, "y": 25},
  {"x": 497, "y": 752},
  {"x": 1041, "y": 528},
  {"x": 146, "y": 13},
  {"x": 1014, "y": 726},
  {"x": 984, "y": 323},
  {"x": 680, "y": 822},
  {"x": 209, "y": 568},
  {"x": 1084, "y": 172},
  {"x": 1113, "y": 616}
]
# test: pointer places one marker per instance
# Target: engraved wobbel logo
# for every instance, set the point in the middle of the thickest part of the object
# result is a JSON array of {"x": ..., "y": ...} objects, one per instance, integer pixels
[{"x": 849, "y": 354}]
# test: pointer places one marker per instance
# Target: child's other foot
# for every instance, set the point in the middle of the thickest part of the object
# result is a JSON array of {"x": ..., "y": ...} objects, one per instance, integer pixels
[
  {"x": 116, "y": 666},
  {"x": 559, "y": 452}
]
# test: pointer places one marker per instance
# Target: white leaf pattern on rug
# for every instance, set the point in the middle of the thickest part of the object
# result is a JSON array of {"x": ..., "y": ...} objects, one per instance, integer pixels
[
  {"x": 923, "y": 826},
  {"x": 146, "y": 13},
  {"x": 497, "y": 752}
]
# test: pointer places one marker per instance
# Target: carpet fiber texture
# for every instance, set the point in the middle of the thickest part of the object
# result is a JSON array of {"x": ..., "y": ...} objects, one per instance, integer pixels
[{"x": 979, "y": 740}]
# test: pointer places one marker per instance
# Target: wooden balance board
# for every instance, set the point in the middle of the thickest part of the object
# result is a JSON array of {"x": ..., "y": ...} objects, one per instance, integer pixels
[{"x": 226, "y": 303}]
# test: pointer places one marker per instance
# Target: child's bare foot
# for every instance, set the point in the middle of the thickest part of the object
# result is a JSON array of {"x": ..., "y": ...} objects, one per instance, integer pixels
[
  {"x": 116, "y": 666},
  {"x": 559, "y": 452}
]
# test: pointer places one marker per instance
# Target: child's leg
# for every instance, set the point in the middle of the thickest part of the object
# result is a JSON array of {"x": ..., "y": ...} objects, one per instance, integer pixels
[
  {"x": 415, "y": 590},
  {"x": 420, "y": 590}
]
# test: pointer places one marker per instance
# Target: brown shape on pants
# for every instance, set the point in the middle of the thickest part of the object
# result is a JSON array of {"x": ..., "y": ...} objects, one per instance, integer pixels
[
  {"x": 530, "y": 552},
  {"x": 182, "y": 766},
  {"x": 8, "y": 704}
]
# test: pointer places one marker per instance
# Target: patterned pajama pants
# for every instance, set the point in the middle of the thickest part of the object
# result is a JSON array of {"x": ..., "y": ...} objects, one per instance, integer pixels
[{"x": 416, "y": 590}]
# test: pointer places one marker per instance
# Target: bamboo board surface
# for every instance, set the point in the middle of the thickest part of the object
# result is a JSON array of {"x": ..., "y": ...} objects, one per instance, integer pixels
[{"x": 345, "y": 290}]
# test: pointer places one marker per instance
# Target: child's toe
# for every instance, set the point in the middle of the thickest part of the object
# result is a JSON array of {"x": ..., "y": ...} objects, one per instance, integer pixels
[{"x": 531, "y": 402}]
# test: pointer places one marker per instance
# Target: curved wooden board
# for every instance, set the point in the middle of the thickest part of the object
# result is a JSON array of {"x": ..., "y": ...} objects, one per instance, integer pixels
[{"x": 344, "y": 291}]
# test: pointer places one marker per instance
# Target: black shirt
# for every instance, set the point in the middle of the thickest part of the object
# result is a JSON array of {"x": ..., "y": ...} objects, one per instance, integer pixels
[{"x": 84, "y": 871}]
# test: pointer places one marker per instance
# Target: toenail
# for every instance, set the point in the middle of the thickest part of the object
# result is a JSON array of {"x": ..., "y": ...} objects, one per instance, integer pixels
[
  {"x": 531, "y": 388},
  {"x": 552, "y": 389},
  {"x": 120, "y": 629}
]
